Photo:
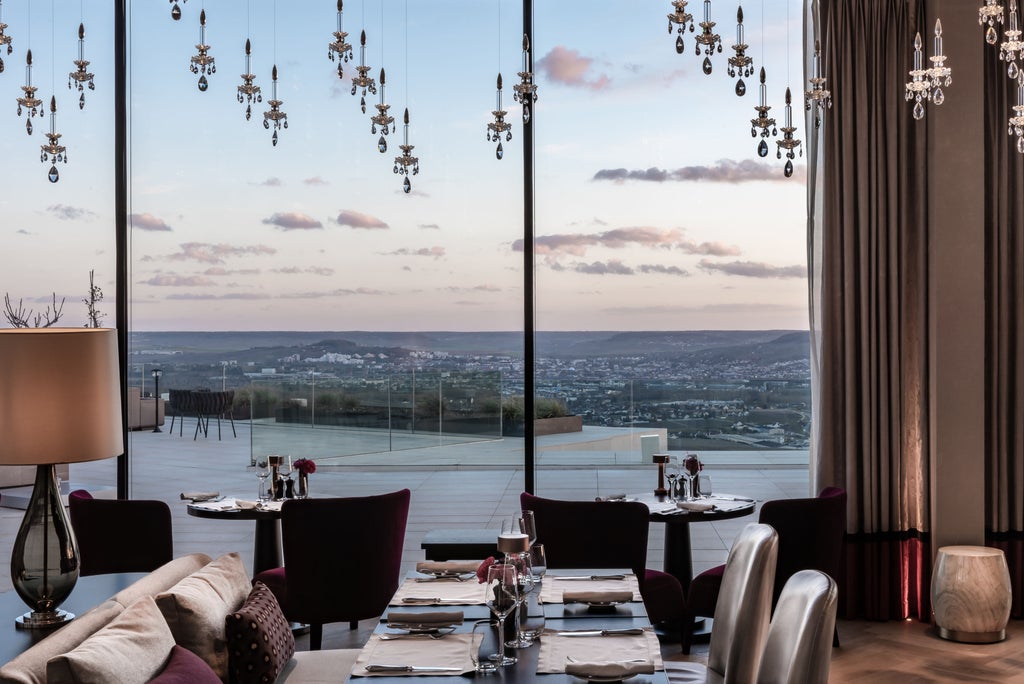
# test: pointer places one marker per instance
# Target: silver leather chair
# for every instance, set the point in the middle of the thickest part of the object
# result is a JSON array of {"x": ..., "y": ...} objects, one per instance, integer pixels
[
  {"x": 799, "y": 645},
  {"x": 741, "y": 615}
]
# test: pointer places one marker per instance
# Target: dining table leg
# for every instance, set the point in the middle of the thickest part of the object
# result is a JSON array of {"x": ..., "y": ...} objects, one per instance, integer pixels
[
  {"x": 678, "y": 558},
  {"x": 267, "y": 545}
]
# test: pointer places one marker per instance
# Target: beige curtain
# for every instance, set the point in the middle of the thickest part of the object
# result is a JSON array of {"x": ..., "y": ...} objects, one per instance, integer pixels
[{"x": 869, "y": 274}]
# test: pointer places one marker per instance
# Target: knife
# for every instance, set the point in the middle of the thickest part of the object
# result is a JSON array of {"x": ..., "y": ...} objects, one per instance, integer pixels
[
  {"x": 432, "y": 601},
  {"x": 602, "y": 632},
  {"x": 441, "y": 578},
  {"x": 589, "y": 577},
  {"x": 410, "y": 668},
  {"x": 732, "y": 498}
]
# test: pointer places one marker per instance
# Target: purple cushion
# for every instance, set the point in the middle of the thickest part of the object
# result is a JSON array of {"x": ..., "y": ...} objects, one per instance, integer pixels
[
  {"x": 185, "y": 667},
  {"x": 260, "y": 641}
]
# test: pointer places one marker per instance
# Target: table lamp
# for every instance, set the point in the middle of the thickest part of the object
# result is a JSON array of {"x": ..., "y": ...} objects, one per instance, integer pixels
[{"x": 60, "y": 402}]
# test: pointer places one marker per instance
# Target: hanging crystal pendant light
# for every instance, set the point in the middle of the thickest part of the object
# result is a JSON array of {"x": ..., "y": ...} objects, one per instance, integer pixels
[
  {"x": 275, "y": 115},
  {"x": 499, "y": 125},
  {"x": 818, "y": 98},
  {"x": 990, "y": 13},
  {"x": 740, "y": 64},
  {"x": 29, "y": 103},
  {"x": 680, "y": 17},
  {"x": 405, "y": 161},
  {"x": 708, "y": 38},
  {"x": 1012, "y": 48},
  {"x": 763, "y": 122},
  {"x": 362, "y": 80},
  {"x": 4, "y": 38},
  {"x": 381, "y": 118},
  {"x": 1017, "y": 120},
  {"x": 249, "y": 92},
  {"x": 53, "y": 151},
  {"x": 525, "y": 92},
  {"x": 339, "y": 46},
  {"x": 175, "y": 9},
  {"x": 919, "y": 87},
  {"x": 939, "y": 74},
  {"x": 788, "y": 142},
  {"x": 202, "y": 62},
  {"x": 80, "y": 75}
]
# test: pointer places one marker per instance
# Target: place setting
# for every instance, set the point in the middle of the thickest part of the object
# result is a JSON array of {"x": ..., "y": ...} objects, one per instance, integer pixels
[
  {"x": 600, "y": 655},
  {"x": 418, "y": 644},
  {"x": 599, "y": 589}
]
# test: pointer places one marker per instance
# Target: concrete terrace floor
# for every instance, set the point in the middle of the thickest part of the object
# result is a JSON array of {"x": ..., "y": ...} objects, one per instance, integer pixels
[{"x": 446, "y": 493}]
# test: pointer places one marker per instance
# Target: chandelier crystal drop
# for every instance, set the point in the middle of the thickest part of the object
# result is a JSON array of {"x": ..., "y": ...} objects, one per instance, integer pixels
[
  {"x": 741, "y": 64},
  {"x": 406, "y": 164},
  {"x": 382, "y": 118},
  {"x": 990, "y": 13},
  {"x": 763, "y": 123},
  {"x": 362, "y": 80},
  {"x": 708, "y": 38},
  {"x": 499, "y": 125},
  {"x": 788, "y": 142},
  {"x": 339, "y": 46},
  {"x": 680, "y": 18},
  {"x": 1017, "y": 120},
  {"x": 202, "y": 62},
  {"x": 29, "y": 103},
  {"x": 275, "y": 115},
  {"x": 175, "y": 9},
  {"x": 1012, "y": 47},
  {"x": 80, "y": 76},
  {"x": 818, "y": 98},
  {"x": 4, "y": 38},
  {"x": 525, "y": 92},
  {"x": 53, "y": 151},
  {"x": 249, "y": 92}
]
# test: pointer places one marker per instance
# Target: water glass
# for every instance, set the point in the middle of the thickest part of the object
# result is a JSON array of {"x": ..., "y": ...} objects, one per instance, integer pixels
[
  {"x": 481, "y": 628},
  {"x": 528, "y": 526},
  {"x": 262, "y": 472},
  {"x": 538, "y": 561},
  {"x": 704, "y": 481}
]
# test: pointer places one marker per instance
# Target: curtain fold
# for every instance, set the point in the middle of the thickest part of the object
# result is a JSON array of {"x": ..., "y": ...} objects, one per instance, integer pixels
[
  {"x": 871, "y": 280},
  {"x": 1004, "y": 325}
]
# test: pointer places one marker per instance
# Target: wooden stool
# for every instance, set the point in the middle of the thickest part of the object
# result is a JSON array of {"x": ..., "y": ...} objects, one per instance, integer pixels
[{"x": 971, "y": 594}]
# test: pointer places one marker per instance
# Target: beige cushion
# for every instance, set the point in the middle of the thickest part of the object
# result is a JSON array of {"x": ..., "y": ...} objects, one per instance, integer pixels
[
  {"x": 161, "y": 579},
  {"x": 195, "y": 608},
  {"x": 131, "y": 649},
  {"x": 320, "y": 667}
]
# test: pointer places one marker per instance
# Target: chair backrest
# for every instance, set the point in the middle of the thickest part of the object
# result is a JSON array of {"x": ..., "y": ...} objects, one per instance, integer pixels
[
  {"x": 811, "y": 533},
  {"x": 591, "y": 534},
  {"x": 342, "y": 556},
  {"x": 120, "y": 535},
  {"x": 799, "y": 645},
  {"x": 744, "y": 605}
]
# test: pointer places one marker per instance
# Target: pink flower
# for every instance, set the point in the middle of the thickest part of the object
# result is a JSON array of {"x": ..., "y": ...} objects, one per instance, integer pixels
[
  {"x": 305, "y": 466},
  {"x": 693, "y": 464},
  {"x": 481, "y": 572}
]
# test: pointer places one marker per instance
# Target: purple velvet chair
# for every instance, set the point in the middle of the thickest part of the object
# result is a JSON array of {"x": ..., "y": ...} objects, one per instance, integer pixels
[
  {"x": 605, "y": 534},
  {"x": 120, "y": 535},
  {"x": 342, "y": 558},
  {"x": 811, "y": 535}
]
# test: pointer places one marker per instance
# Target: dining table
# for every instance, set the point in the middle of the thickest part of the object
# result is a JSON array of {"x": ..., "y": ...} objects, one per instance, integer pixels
[{"x": 267, "y": 518}]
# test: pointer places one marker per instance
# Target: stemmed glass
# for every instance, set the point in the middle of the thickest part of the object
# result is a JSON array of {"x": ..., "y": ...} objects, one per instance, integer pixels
[
  {"x": 673, "y": 471},
  {"x": 521, "y": 561},
  {"x": 262, "y": 472},
  {"x": 502, "y": 597},
  {"x": 286, "y": 474},
  {"x": 528, "y": 526}
]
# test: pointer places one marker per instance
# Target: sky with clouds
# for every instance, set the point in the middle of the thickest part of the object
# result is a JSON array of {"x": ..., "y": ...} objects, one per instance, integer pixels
[{"x": 653, "y": 210}]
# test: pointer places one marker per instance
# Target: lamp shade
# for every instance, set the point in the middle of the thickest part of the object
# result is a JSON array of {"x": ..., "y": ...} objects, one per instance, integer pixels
[{"x": 60, "y": 398}]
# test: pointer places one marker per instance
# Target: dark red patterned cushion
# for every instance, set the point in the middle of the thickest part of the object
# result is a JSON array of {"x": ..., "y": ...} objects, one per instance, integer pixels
[
  {"x": 260, "y": 641},
  {"x": 185, "y": 667}
]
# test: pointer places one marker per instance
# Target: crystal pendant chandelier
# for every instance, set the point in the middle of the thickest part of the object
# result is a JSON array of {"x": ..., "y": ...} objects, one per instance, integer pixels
[
  {"x": 53, "y": 151},
  {"x": 4, "y": 38},
  {"x": 818, "y": 98},
  {"x": 339, "y": 46},
  {"x": 406, "y": 164},
  {"x": 763, "y": 122},
  {"x": 29, "y": 103},
  {"x": 990, "y": 13},
  {"x": 939, "y": 74},
  {"x": 362, "y": 80},
  {"x": 249, "y": 92},
  {"x": 926, "y": 84},
  {"x": 740, "y": 64},
  {"x": 680, "y": 18},
  {"x": 1012, "y": 48},
  {"x": 80, "y": 75},
  {"x": 708, "y": 38},
  {"x": 275, "y": 115},
  {"x": 175, "y": 9},
  {"x": 499, "y": 125},
  {"x": 525, "y": 92},
  {"x": 1017, "y": 120},
  {"x": 788, "y": 142},
  {"x": 382, "y": 118},
  {"x": 202, "y": 62}
]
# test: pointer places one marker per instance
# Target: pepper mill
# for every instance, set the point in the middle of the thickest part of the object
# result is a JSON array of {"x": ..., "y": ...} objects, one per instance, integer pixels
[{"x": 661, "y": 460}]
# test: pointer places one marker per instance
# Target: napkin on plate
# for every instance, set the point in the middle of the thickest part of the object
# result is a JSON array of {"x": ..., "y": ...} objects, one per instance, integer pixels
[
  {"x": 618, "y": 669},
  {"x": 199, "y": 496},
  {"x": 452, "y": 567},
  {"x": 245, "y": 505},
  {"x": 438, "y": 618},
  {"x": 597, "y": 596},
  {"x": 611, "y": 497},
  {"x": 696, "y": 506}
]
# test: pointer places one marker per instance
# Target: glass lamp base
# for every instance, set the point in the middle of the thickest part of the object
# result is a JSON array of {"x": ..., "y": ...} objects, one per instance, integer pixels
[{"x": 43, "y": 620}]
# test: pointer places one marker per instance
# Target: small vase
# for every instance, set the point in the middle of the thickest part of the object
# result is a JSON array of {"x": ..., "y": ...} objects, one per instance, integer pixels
[{"x": 302, "y": 490}]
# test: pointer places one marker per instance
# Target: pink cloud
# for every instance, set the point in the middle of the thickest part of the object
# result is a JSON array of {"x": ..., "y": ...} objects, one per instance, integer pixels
[{"x": 570, "y": 68}]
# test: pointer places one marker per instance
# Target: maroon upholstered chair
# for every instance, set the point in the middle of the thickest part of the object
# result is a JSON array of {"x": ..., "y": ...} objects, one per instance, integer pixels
[
  {"x": 811, "y": 533},
  {"x": 120, "y": 535},
  {"x": 342, "y": 558},
  {"x": 605, "y": 534}
]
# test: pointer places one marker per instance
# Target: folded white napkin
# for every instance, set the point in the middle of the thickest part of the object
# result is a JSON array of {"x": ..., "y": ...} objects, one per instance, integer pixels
[
  {"x": 619, "y": 669},
  {"x": 697, "y": 506},
  {"x": 611, "y": 497},
  {"x": 245, "y": 505},
  {"x": 438, "y": 618},
  {"x": 597, "y": 596},
  {"x": 199, "y": 496},
  {"x": 452, "y": 567}
]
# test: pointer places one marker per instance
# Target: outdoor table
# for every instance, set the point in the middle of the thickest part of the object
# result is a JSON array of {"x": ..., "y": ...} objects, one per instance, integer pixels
[{"x": 267, "y": 544}]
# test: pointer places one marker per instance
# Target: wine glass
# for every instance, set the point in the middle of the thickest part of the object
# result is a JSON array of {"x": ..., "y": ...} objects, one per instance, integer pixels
[
  {"x": 262, "y": 472},
  {"x": 502, "y": 597},
  {"x": 524, "y": 573},
  {"x": 528, "y": 526},
  {"x": 673, "y": 470}
]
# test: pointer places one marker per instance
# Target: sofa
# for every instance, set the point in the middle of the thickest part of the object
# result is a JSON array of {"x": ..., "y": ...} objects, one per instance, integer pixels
[
  {"x": 144, "y": 413},
  {"x": 187, "y": 621}
]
